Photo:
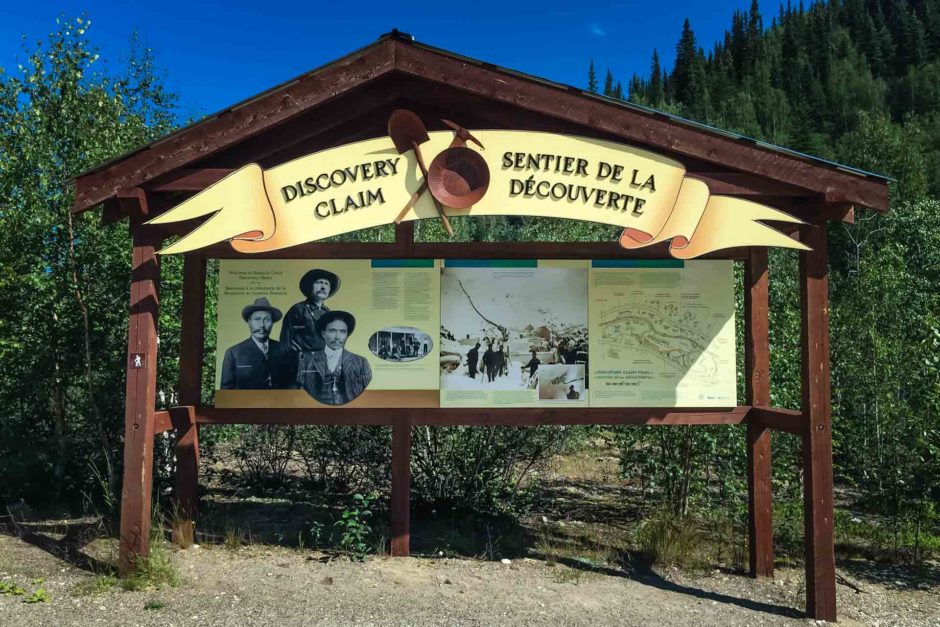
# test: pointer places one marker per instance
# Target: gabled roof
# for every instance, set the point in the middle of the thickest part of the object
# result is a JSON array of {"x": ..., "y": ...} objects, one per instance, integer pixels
[{"x": 396, "y": 55}]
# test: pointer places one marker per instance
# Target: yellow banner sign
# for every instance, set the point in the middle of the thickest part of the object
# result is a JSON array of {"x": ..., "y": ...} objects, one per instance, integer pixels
[{"x": 370, "y": 183}]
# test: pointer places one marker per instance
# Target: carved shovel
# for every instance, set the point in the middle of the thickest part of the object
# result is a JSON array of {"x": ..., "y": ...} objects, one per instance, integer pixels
[{"x": 408, "y": 133}]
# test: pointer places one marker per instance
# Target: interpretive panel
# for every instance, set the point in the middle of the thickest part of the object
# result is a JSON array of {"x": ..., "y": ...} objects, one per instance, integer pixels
[
  {"x": 662, "y": 334},
  {"x": 475, "y": 333},
  {"x": 301, "y": 333},
  {"x": 514, "y": 333}
]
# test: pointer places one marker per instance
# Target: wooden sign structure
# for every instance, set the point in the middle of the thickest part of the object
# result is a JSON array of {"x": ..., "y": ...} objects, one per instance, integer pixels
[{"x": 351, "y": 100}]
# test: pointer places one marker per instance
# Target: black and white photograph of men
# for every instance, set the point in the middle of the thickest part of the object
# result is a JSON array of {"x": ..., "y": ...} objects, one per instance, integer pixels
[
  {"x": 501, "y": 326},
  {"x": 333, "y": 375},
  {"x": 258, "y": 363},
  {"x": 299, "y": 329},
  {"x": 473, "y": 359},
  {"x": 400, "y": 343}
]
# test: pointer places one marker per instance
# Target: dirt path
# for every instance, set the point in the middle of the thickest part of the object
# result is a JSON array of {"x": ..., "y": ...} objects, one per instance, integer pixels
[{"x": 260, "y": 585}]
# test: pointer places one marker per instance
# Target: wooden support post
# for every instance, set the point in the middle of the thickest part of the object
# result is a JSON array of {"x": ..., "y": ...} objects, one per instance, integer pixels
[
  {"x": 192, "y": 341},
  {"x": 192, "y": 329},
  {"x": 401, "y": 488},
  {"x": 757, "y": 386},
  {"x": 405, "y": 238},
  {"x": 817, "y": 432},
  {"x": 140, "y": 399},
  {"x": 186, "y": 493}
]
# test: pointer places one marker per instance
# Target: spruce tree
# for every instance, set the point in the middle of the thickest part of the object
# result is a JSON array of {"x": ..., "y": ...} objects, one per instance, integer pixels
[
  {"x": 931, "y": 21},
  {"x": 754, "y": 38},
  {"x": 870, "y": 44},
  {"x": 636, "y": 94},
  {"x": 656, "y": 92},
  {"x": 688, "y": 76},
  {"x": 738, "y": 44},
  {"x": 592, "y": 78},
  {"x": 609, "y": 84}
]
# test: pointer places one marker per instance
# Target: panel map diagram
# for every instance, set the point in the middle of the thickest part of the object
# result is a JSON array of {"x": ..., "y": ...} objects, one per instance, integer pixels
[
  {"x": 663, "y": 337},
  {"x": 660, "y": 329}
]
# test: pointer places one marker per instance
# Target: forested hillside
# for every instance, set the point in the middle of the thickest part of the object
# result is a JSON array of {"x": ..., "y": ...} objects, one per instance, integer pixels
[{"x": 857, "y": 82}]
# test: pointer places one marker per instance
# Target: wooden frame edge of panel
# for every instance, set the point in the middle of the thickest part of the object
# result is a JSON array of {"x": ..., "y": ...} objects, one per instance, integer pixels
[{"x": 464, "y": 416}]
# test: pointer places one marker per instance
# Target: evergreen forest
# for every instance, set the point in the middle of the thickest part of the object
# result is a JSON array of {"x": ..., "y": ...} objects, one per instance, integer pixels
[{"x": 856, "y": 82}]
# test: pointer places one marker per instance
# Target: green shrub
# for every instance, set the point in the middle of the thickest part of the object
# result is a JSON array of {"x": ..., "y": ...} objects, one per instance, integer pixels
[
  {"x": 264, "y": 455},
  {"x": 355, "y": 530},
  {"x": 345, "y": 459},
  {"x": 479, "y": 468}
]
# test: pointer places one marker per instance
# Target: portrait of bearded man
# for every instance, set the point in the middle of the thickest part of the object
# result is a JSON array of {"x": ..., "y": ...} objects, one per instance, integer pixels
[
  {"x": 299, "y": 331},
  {"x": 258, "y": 363},
  {"x": 334, "y": 375}
]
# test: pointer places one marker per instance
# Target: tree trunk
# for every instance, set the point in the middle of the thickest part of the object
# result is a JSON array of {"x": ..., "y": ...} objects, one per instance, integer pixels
[
  {"x": 89, "y": 377},
  {"x": 60, "y": 428}
]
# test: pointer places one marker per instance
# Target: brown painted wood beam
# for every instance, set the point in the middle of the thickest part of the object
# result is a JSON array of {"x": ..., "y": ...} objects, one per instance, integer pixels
[
  {"x": 817, "y": 431},
  {"x": 842, "y": 212},
  {"x": 134, "y": 203},
  {"x": 192, "y": 341},
  {"x": 517, "y": 417},
  {"x": 757, "y": 394},
  {"x": 401, "y": 488},
  {"x": 334, "y": 123},
  {"x": 190, "y": 180},
  {"x": 111, "y": 212},
  {"x": 236, "y": 124},
  {"x": 465, "y": 250},
  {"x": 405, "y": 238},
  {"x": 139, "y": 414},
  {"x": 634, "y": 126},
  {"x": 744, "y": 185},
  {"x": 186, "y": 492},
  {"x": 162, "y": 422},
  {"x": 773, "y": 418},
  {"x": 192, "y": 329},
  {"x": 777, "y": 419}
]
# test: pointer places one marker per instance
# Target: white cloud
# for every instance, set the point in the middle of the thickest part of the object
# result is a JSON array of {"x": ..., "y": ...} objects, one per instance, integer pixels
[{"x": 597, "y": 31}]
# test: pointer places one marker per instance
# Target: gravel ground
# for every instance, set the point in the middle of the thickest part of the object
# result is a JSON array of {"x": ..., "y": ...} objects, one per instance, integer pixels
[{"x": 262, "y": 585}]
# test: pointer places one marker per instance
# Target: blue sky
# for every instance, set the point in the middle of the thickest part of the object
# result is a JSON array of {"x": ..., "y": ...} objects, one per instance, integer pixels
[{"x": 218, "y": 53}]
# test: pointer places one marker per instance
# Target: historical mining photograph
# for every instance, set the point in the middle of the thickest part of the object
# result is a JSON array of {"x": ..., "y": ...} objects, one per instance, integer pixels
[
  {"x": 562, "y": 382},
  {"x": 500, "y": 325},
  {"x": 400, "y": 344}
]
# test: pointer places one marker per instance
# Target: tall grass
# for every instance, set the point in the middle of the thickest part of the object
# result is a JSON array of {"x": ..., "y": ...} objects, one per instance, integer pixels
[
  {"x": 670, "y": 540},
  {"x": 156, "y": 569}
]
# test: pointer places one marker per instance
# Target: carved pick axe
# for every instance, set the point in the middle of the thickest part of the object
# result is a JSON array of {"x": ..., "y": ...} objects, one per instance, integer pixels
[
  {"x": 408, "y": 133},
  {"x": 461, "y": 135}
]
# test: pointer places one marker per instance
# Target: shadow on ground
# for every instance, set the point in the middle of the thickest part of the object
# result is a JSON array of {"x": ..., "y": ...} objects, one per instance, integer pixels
[
  {"x": 70, "y": 547},
  {"x": 583, "y": 525},
  {"x": 924, "y": 576}
]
